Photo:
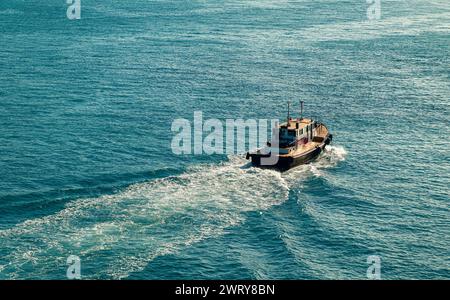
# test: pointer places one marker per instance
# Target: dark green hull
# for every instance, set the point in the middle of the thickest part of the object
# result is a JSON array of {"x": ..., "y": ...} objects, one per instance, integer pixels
[{"x": 286, "y": 163}]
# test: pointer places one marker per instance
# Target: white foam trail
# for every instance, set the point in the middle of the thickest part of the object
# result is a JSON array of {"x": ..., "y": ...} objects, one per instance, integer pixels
[
  {"x": 116, "y": 235},
  {"x": 121, "y": 233}
]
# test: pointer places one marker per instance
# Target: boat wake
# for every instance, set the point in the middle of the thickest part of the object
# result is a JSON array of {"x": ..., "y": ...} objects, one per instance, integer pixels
[
  {"x": 328, "y": 159},
  {"x": 116, "y": 235}
]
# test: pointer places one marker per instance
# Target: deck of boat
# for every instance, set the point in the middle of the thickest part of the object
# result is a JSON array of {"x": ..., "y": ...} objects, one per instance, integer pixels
[{"x": 321, "y": 133}]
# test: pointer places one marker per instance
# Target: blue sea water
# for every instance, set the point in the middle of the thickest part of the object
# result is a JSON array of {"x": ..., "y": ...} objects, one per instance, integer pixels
[{"x": 86, "y": 166}]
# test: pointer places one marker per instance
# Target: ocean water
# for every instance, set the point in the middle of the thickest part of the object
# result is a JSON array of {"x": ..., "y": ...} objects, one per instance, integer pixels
[{"x": 86, "y": 166}]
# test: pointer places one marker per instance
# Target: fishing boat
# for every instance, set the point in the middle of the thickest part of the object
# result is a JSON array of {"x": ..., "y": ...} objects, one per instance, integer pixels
[{"x": 300, "y": 141}]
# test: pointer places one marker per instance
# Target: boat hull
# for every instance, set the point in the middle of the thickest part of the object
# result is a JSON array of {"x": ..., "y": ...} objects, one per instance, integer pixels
[{"x": 287, "y": 162}]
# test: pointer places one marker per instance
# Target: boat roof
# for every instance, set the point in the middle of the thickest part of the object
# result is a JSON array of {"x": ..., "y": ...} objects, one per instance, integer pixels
[{"x": 292, "y": 123}]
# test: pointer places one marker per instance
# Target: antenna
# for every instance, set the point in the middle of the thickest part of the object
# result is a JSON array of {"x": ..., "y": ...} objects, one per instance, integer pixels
[
  {"x": 288, "y": 117},
  {"x": 301, "y": 109}
]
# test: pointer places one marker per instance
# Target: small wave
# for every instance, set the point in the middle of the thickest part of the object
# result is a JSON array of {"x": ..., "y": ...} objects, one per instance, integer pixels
[{"x": 10, "y": 12}]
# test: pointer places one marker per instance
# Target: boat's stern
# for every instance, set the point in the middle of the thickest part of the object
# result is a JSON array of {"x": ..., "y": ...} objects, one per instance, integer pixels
[
  {"x": 281, "y": 163},
  {"x": 256, "y": 157}
]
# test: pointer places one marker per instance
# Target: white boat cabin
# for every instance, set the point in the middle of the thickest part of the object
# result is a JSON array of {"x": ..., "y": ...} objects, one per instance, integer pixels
[{"x": 296, "y": 132}]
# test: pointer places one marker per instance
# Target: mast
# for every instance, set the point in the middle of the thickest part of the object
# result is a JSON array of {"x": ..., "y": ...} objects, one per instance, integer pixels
[
  {"x": 301, "y": 109},
  {"x": 288, "y": 116}
]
